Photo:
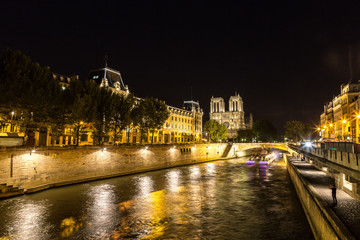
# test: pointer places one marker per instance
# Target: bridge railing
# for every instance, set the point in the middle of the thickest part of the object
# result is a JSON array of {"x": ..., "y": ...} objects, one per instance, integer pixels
[{"x": 344, "y": 158}]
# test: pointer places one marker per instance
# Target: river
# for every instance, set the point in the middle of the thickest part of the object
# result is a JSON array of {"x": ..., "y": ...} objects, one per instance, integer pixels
[{"x": 216, "y": 200}]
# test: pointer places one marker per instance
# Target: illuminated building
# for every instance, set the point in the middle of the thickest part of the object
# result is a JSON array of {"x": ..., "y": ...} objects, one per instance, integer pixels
[
  {"x": 234, "y": 119},
  {"x": 107, "y": 77},
  {"x": 340, "y": 120},
  {"x": 184, "y": 125}
]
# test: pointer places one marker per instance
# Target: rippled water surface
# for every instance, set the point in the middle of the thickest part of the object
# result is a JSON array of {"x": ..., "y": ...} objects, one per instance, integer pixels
[{"x": 216, "y": 200}]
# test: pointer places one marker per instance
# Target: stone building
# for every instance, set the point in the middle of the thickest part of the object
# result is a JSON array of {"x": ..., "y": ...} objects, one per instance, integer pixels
[
  {"x": 184, "y": 125},
  {"x": 107, "y": 77},
  {"x": 340, "y": 119},
  {"x": 234, "y": 118}
]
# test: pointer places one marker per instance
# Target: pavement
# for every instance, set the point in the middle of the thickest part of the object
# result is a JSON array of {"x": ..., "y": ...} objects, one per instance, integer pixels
[{"x": 347, "y": 208}]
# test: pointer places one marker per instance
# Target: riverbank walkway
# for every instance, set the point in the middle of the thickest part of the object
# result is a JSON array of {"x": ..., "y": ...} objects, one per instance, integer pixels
[{"x": 347, "y": 209}]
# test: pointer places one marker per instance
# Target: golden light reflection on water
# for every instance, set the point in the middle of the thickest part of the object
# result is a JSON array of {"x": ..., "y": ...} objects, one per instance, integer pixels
[
  {"x": 5, "y": 238},
  {"x": 69, "y": 225},
  {"x": 147, "y": 216}
]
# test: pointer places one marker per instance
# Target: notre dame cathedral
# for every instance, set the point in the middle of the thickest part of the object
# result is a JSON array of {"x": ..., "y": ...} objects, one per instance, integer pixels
[{"x": 234, "y": 119}]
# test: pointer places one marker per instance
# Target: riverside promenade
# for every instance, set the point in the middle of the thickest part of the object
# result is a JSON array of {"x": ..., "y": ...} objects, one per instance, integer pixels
[{"x": 346, "y": 214}]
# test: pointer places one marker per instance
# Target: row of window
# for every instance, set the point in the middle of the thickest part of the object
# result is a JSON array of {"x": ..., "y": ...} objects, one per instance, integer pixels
[{"x": 182, "y": 119}]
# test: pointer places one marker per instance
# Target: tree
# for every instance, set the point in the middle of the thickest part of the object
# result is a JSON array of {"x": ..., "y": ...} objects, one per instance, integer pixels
[
  {"x": 215, "y": 130},
  {"x": 80, "y": 108},
  {"x": 297, "y": 130},
  {"x": 138, "y": 117},
  {"x": 264, "y": 131},
  {"x": 150, "y": 114},
  {"x": 122, "y": 106},
  {"x": 29, "y": 90},
  {"x": 101, "y": 98},
  {"x": 158, "y": 114},
  {"x": 245, "y": 135},
  {"x": 294, "y": 130}
]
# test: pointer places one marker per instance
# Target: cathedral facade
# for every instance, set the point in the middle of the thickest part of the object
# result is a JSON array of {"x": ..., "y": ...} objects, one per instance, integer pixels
[{"x": 234, "y": 118}]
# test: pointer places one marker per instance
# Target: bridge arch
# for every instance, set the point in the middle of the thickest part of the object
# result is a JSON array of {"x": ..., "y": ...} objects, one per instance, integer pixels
[{"x": 239, "y": 147}]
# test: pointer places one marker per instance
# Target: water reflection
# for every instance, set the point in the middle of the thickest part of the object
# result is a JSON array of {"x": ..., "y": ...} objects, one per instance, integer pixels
[
  {"x": 173, "y": 180},
  {"x": 30, "y": 221},
  {"x": 69, "y": 225},
  {"x": 101, "y": 210},
  {"x": 217, "y": 200},
  {"x": 144, "y": 186}
]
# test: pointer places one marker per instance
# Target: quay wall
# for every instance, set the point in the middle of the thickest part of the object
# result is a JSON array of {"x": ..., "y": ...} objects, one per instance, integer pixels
[
  {"x": 324, "y": 223},
  {"x": 27, "y": 169}
]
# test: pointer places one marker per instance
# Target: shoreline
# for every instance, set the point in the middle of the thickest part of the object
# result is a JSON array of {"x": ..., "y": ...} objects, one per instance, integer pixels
[{"x": 46, "y": 186}]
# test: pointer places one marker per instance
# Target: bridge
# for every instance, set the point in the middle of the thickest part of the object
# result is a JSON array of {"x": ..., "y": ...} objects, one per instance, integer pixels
[{"x": 241, "y": 147}]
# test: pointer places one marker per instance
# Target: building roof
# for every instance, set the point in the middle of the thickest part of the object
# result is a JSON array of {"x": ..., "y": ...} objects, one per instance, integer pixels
[
  {"x": 191, "y": 105},
  {"x": 111, "y": 75}
]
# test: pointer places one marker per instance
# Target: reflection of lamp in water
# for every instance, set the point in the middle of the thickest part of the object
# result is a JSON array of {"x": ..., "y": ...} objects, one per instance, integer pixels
[
  {"x": 145, "y": 186},
  {"x": 173, "y": 180}
]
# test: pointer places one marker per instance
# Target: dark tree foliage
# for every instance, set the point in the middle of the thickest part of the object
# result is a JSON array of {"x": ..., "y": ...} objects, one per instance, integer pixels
[
  {"x": 80, "y": 108},
  {"x": 29, "y": 90},
  {"x": 264, "y": 131},
  {"x": 150, "y": 114},
  {"x": 297, "y": 131},
  {"x": 216, "y": 131},
  {"x": 245, "y": 135},
  {"x": 37, "y": 101},
  {"x": 122, "y": 107},
  {"x": 104, "y": 111}
]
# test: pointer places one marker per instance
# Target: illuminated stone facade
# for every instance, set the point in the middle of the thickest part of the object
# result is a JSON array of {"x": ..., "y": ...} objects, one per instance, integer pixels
[
  {"x": 341, "y": 116},
  {"x": 234, "y": 118},
  {"x": 183, "y": 126}
]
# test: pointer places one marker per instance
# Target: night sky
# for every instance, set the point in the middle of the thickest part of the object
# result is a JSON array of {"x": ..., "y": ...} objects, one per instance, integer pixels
[{"x": 285, "y": 58}]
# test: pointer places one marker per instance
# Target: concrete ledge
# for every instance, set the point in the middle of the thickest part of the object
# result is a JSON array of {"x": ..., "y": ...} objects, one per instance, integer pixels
[
  {"x": 107, "y": 176},
  {"x": 12, "y": 194},
  {"x": 323, "y": 221}
]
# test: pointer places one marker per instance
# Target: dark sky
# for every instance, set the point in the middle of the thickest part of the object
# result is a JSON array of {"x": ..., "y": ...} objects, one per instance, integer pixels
[{"x": 285, "y": 58}]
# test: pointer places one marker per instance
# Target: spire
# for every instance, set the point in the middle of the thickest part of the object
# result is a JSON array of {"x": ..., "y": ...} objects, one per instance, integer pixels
[{"x": 106, "y": 58}]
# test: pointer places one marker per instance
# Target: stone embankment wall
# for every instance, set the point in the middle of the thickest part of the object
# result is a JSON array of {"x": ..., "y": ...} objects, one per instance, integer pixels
[
  {"x": 324, "y": 223},
  {"x": 65, "y": 166}
]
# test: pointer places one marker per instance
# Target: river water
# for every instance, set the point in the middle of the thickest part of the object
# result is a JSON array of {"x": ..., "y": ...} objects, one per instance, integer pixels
[{"x": 214, "y": 200}]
